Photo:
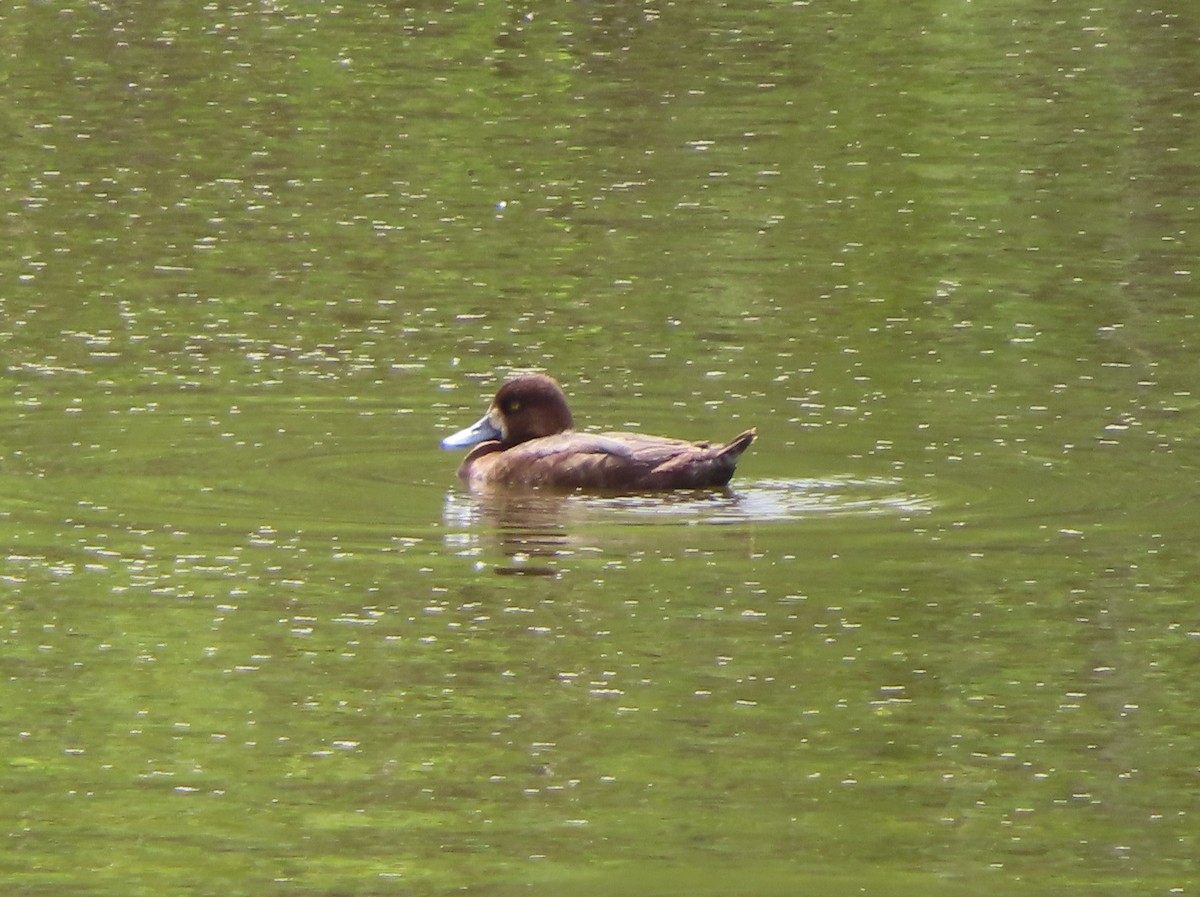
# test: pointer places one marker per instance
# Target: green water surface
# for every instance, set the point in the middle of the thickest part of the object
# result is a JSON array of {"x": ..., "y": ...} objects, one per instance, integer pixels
[{"x": 939, "y": 636}]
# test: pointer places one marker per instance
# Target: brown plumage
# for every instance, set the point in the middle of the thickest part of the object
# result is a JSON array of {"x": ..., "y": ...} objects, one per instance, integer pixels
[{"x": 526, "y": 439}]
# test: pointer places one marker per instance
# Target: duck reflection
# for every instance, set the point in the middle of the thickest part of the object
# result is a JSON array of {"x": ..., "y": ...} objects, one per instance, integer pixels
[
  {"x": 535, "y": 530},
  {"x": 529, "y": 527}
]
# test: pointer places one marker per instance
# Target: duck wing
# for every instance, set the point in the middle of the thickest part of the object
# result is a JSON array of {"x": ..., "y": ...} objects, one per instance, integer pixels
[{"x": 618, "y": 462}]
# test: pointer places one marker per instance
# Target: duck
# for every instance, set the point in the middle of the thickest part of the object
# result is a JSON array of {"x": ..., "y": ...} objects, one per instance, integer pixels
[{"x": 527, "y": 438}]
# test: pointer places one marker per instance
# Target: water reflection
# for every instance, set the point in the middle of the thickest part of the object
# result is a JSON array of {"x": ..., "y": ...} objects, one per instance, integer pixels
[
  {"x": 533, "y": 528},
  {"x": 529, "y": 527}
]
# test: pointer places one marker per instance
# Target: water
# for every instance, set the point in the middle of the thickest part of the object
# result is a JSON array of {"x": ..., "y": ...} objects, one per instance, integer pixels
[{"x": 937, "y": 635}]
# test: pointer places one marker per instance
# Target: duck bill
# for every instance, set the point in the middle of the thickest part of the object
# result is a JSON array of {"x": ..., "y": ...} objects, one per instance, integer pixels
[{"x": 480, "y": 431}]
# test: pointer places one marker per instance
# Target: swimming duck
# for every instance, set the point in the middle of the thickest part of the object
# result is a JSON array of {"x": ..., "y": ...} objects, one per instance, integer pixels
[{"x": 526, "y": 439}]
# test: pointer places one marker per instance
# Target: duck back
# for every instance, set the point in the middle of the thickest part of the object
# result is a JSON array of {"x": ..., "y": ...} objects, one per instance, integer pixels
[{"x": 607, "y": 461}]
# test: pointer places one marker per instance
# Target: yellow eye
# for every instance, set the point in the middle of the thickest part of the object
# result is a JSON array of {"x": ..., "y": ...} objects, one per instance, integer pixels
[{"x": 514, "y": 405}]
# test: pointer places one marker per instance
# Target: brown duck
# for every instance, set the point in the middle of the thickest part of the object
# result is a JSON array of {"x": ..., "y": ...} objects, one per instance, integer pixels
[{"x": 526, "y": 439}]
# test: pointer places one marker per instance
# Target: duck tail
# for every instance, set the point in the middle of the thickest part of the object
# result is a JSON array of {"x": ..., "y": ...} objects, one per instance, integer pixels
[{"x": 734, "y": 447}]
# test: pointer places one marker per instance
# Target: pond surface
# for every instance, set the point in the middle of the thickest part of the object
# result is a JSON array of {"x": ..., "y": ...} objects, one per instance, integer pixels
[{"x": 939, "y": 634}]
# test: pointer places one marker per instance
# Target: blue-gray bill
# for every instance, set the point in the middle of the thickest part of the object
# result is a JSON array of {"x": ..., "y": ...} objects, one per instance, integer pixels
[{"x": 480, "y": 431}]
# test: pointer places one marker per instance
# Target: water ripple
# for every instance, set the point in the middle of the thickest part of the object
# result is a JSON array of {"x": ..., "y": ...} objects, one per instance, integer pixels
[
  {"x": 775, "y": 500},
  {"x": 762, "y": 501}
]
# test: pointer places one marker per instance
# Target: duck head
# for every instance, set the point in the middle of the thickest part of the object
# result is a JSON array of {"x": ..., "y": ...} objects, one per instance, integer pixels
[{"x": 526, "y": 408}]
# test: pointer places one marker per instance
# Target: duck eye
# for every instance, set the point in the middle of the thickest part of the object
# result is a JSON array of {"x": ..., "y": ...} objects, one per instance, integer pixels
[{"x": 514, "y": 405}]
